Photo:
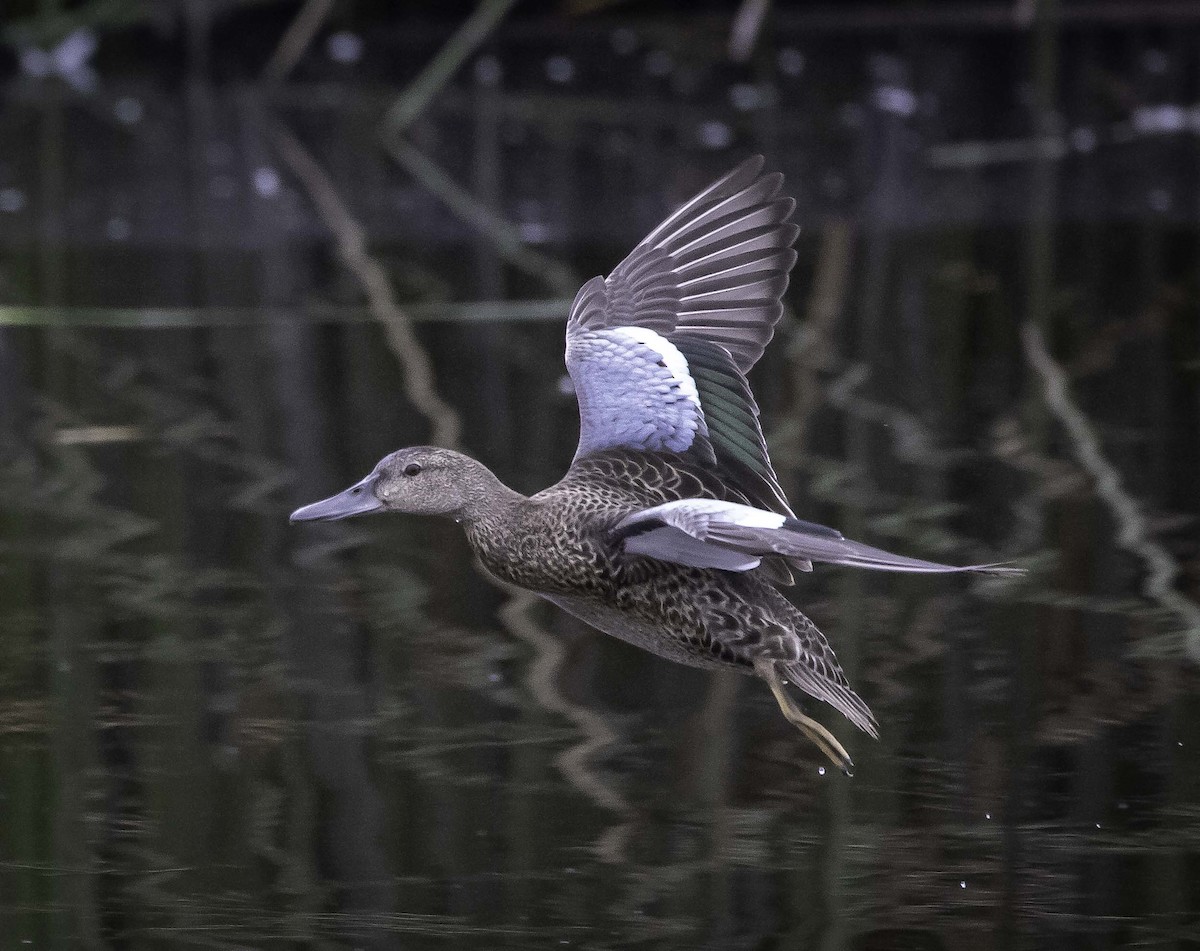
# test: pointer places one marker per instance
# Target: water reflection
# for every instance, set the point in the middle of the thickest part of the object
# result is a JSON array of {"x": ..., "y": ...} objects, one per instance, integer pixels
[{"x": 217, "y": 732}]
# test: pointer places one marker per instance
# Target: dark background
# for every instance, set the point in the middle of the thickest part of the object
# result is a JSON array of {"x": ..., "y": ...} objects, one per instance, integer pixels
[{"x": 247, "y": 248}]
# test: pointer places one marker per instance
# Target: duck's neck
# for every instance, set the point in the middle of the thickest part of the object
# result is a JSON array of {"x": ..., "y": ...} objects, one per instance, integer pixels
[{"x": 488, "y": 500}]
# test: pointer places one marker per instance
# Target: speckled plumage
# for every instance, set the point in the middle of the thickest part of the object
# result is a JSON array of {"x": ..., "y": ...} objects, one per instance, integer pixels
[
  {"x": 562, "y": 544},
  {"x": 670, "y": 529}
]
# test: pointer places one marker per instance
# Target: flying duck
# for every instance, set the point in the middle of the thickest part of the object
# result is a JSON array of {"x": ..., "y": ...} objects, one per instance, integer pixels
[{"x": 670, "y": 529}]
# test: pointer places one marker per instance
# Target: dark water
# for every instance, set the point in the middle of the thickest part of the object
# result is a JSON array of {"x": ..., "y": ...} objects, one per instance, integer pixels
[{"x": 218, "y": 730}]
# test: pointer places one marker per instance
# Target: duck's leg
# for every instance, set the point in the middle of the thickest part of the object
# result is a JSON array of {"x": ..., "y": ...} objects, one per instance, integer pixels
[{"x": 826, "y": 742}]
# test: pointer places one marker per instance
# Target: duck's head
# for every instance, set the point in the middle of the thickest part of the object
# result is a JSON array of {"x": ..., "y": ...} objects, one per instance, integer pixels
[{"x": 422, "y": 480}]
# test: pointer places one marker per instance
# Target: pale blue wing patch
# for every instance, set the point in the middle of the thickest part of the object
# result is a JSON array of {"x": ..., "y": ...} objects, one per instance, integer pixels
[{"x": 635, "y": 391}]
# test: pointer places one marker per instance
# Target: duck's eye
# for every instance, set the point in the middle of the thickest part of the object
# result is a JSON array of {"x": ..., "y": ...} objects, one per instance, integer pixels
[{"x": 412, "y": 469}]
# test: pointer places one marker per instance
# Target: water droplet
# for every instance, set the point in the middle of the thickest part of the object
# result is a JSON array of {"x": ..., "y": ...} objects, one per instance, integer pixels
[
  {"x": 658, "y": 63},
  {"x": 624, "y": 41},
  {"x": 344, "y": 47},
  {"x": 896, "y": 100},
  {"x": 128, "y": 110},
  {"x": 820, "y": 770},
  {"x": 746, "y": 97},
  {"x": 714, "y": 134},
  {"x": 266, "y": 181},
  {"x": 13, "y": 200},
  {"x": 560, "y": 69},
  {"x": 488, "y": 71},
  {"x": 1159, "y": 119},
  {"x": 791, "y": 61},
  {"x": 1156, "y": 62},
  {"x": 534, "y": 232},
  {"x": 1083, "y": 139}
]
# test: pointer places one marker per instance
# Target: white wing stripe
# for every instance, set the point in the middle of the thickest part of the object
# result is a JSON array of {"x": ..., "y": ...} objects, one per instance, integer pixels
[{"x": 757, "y": 533}]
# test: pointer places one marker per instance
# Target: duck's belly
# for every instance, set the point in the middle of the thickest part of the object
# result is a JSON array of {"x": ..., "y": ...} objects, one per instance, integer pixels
[{"x": 659, "y": 638}]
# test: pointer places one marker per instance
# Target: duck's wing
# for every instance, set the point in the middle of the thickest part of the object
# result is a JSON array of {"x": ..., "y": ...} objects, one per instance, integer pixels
[
  {"x": 659, "y": 349},
  {"x": 708, "y": 533}
]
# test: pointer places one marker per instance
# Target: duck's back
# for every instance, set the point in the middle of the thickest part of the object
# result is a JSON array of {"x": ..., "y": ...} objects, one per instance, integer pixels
[{"x": 560, "y": 540}]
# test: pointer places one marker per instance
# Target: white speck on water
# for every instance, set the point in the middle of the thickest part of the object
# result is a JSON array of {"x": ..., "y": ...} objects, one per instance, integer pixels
[
  {"x": 344, "y": 47},
  {"x": 1160, "y": 119},
  {"x": 494, "y": 678},
  {"x": 791, "y": 61},
  {"x": 659, "y": 63},
  {"x": 963, "y": 883},
  {"x": 488, "y": 71},
  {"x": 118, "y": 229},
  {"x": 1160, "y": 200},
  {"x": 987, "y": 815},
  {"x": 1083, "y": 139},
  {"x": 820, "y": 770},
  {"x": 13, "y": 200},
  {"x": 1097, "y": 825},
  {"x": 896, "y": 100},
  {"x": 1156, "y": 62},
  {"x": 746, "y": 97},
  {"x": 1180, "y": 744},
  {"x": 36, "y": 62},
  {"x": 714, "y": 134},
  {"x": 129, "y": 110},
  {"x": 1122, "y": 805},
  {"x": 534, "y": 232},
  {"x": 560, "y": 69},
  {"x": 267, "y": 181},
  {"x": 624, "y": 41}
]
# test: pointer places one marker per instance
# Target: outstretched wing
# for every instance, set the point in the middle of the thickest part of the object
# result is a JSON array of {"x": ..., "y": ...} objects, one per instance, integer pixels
[
  {"x": 709, "y": 533},
  {"x": 658, "y": 350}
]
